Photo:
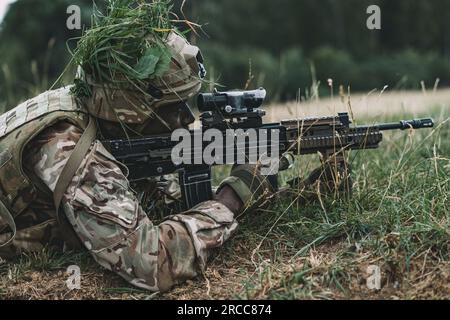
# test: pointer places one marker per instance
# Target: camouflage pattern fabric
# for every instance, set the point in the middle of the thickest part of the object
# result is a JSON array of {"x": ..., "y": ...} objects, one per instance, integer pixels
[{"x": 111, "y": 224}]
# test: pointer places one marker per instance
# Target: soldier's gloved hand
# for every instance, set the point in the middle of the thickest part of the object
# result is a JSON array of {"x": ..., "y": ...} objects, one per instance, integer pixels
[
  {"x": 331, "y": 178},
  {"x": 228, "y": 197},
  {"x": 246, "y": 188}
]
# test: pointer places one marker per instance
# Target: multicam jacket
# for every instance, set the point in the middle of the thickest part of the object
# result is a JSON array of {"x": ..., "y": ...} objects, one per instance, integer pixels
[{"x": 100, "y": 209}]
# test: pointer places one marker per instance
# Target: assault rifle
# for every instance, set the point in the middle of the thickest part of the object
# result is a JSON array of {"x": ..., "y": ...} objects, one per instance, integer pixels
[{"x": 233, "y": 114}]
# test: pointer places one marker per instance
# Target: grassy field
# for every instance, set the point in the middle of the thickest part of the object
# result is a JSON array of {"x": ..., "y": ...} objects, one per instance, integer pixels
[{"x": 398, "y": 220}]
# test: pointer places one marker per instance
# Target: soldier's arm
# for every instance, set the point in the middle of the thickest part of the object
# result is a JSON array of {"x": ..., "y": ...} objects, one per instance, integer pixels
[{"x": 111, "y": 224}]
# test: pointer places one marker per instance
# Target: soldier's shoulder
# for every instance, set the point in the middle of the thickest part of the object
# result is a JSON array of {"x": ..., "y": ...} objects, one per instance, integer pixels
[
  {"x": 47, "y": 102},
  {"x": 58, "y": 98}
]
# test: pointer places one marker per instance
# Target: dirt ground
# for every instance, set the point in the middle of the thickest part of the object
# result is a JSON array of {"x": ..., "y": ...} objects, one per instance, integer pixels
[{"x": 232, "y": 277}]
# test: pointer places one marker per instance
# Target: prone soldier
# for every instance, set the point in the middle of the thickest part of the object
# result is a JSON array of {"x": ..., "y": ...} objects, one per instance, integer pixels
[{"x": 60, "y": 187}]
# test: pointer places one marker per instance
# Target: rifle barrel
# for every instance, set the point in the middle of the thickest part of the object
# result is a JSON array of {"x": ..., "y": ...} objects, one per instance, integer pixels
[{"x": 410, "y": 124}]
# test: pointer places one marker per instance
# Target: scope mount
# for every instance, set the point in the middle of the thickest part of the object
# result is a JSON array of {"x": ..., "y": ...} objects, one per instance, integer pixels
[
  {"x": 215, "y": 119},
  {"x": 232, "y": 109}
]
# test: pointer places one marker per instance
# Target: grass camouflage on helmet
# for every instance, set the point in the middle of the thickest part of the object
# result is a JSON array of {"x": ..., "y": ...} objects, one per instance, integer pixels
[
  {"x": 126, "y": 45},
  {"x": 134, "y": 56}
]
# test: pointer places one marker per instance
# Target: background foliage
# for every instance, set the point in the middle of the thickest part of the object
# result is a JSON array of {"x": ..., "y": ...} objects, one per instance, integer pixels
[{"x": 284, "y": 45}]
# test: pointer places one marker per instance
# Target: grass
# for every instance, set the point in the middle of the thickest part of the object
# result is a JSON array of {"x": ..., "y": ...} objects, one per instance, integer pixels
[{"x": 398, "y": 219}]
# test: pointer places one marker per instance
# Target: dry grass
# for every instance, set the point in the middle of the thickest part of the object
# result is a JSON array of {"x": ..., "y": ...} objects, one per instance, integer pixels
[{"x": 373, "y": 105}]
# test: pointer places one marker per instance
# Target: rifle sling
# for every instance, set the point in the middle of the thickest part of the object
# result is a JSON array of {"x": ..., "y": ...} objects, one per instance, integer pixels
[
  {"x": 6, "y": 215},
  {"x": 74, "y": 162}
]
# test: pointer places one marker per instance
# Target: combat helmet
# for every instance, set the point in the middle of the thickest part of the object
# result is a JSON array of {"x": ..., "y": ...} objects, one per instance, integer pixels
[{"x": 132, "y": 63}]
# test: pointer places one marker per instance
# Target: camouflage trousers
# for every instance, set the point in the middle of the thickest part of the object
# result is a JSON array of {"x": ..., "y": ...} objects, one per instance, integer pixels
[{"x": 109, "y": 221}]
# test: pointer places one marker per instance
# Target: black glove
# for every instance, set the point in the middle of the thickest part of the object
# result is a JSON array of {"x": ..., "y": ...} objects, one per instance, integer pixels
[
  {"x": 253, "y": 189},
  {"x": 332, "y": 178}
]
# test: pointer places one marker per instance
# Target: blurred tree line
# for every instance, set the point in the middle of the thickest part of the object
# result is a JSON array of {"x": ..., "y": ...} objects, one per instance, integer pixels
[{"x": 284, "y": 45}]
